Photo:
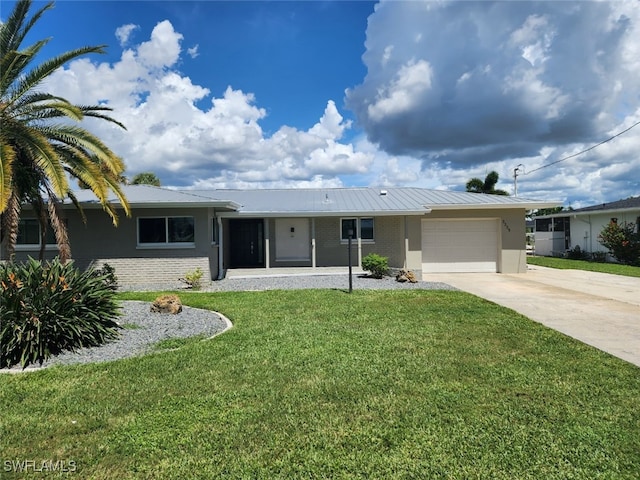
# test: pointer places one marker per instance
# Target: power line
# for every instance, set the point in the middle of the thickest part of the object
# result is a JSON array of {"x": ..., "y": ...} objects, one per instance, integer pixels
[{"x": 585, "y": 150}]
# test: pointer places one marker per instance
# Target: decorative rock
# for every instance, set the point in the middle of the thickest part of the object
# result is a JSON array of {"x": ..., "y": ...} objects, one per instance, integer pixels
[
  {"x": 167, "y": 304},
  {"x": 406, "y": 276}
]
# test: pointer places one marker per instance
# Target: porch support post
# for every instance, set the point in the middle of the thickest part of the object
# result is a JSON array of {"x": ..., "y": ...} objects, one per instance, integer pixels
[
  {"x": 406, "y": 243},
  {"x": 313, "y": 243},
  {"x": 359, "y": 243},
  {"x": 267, "y": 256},
  {"x": 220, "y": 250}
]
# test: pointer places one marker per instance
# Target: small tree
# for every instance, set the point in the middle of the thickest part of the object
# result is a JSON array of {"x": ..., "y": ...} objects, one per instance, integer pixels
[{"x": 622, "y": 242}]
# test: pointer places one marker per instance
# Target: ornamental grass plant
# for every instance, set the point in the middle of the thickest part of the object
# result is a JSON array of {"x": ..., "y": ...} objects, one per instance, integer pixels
[{"x": 50, "y": 307}]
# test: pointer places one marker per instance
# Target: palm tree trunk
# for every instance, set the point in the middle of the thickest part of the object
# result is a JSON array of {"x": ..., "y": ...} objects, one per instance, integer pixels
[
  {"x": 11, "y": 219},
  {"x": 59, "y": 230}
]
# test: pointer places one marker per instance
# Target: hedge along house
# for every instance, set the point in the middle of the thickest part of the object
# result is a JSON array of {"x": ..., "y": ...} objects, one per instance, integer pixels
[
  {"x": 556, "y": 234},
  {"x": 173, "y": 232}
]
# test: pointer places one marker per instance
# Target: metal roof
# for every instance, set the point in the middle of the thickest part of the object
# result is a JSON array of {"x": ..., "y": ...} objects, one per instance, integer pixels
[
  {"x": 631, "y": 203},
  {"x": 626, "y": 204},
  {"x": 362, "y": 200},
  {"x": 316, "y": 201},
  {"x": 149, "y": 196}
]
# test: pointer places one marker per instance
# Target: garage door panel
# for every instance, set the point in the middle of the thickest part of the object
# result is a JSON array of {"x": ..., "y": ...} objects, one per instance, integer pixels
[{"x": 459, "y": 246}]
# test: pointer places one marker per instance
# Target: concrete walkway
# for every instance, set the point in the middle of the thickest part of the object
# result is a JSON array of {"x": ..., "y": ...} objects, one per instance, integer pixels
[{"x": 598, "y": 309}]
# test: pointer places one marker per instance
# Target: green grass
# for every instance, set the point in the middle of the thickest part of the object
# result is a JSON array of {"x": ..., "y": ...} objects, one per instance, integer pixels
[
  {"x": 323, "y": 384},
  {"x": 564, "y": 263},
  {"x": 131, "y": 326}
]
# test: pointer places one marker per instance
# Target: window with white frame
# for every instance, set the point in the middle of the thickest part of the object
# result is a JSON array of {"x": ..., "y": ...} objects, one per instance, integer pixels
[
  {"x": 362, "y": 227},
  {"x": 159, "y": 231},
  {"x": 29, "y": 234}
]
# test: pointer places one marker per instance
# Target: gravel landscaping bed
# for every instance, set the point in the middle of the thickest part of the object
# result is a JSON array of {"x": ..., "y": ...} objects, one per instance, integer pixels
[
  {"x": 143, "y": 329},
  {"x": 293, "y": 282}
]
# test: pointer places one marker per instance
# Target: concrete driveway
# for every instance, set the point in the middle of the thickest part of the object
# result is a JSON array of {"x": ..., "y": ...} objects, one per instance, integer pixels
[{"x": 599, "y": 309}]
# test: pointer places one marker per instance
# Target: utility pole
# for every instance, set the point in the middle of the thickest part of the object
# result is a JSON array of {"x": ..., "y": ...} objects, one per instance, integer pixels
[{"x": 515, "y": 179}]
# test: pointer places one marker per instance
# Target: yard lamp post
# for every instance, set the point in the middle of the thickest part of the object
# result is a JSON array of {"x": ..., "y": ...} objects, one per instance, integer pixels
[{"x": 350, "y": 233}]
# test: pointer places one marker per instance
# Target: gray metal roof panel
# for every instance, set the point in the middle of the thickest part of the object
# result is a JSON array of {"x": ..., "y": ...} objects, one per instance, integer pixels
[
  {"x": 318, "y": 201},
  {"x": 627, "y": 203},
  {"x": 149, "y": 195},
  {"x": 362, "y": 199}
]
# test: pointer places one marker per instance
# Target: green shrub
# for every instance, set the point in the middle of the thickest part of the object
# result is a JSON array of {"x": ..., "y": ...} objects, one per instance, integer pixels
[
  {"x": 108, "y": 274},
  {"x": 48, "y": 308},
  {"x": 576, "y": 253},
  {"x": 193, "y": 279},
  {"x": 377, "y": 265},
  {"x": 599, "y": 257}
]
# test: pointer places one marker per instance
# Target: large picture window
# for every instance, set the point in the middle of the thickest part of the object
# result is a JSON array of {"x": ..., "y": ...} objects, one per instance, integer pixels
[
  {"x": 359, "y": 226},
  {"x": 29, "y": 234},
  {"x": 166, "y": 231}
]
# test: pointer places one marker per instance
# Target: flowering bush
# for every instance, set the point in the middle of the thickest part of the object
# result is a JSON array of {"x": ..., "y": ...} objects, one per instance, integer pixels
[
  {"x": 622, "y": 242},
  {"x": 47, "y": 308}
]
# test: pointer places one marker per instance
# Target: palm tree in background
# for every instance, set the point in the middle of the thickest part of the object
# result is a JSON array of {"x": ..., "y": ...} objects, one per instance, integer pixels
[
  {"x": 40, "y": 146},
  {"x": 146, "y": 178},
  {"x": 476, "y": 185}
]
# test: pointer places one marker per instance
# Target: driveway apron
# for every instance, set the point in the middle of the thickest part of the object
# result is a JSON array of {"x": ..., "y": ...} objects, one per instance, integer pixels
[{"x": 598, "y": 309}]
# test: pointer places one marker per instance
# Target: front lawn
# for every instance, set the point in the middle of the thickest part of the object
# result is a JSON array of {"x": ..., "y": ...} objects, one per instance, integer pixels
[
  {"x": 323, "y": 384},
  {"x": 565, "y": 263}
]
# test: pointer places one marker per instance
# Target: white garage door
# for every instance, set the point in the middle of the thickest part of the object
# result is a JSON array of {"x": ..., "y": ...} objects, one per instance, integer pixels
[{"x": 467, "y": 245}]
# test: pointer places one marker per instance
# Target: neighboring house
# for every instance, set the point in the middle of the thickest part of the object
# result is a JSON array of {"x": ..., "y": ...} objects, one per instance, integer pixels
[
  {"x": 172, "y": 232},
  {"x": 557, "y": 233}
]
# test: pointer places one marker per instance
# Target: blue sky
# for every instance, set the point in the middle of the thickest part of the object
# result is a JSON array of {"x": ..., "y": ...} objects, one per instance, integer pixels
[{"x": 260, "y": 94}]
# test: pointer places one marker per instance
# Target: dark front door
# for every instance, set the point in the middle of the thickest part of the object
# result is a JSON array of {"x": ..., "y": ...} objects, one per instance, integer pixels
[{"x": 247, "y": 243}]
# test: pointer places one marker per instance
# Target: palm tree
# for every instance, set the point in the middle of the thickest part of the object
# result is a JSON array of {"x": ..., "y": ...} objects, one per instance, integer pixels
[
  {"x": 476, "y": 185},
  {"x": 146, "y": 178},
  {"x": 39, "y": 146}
]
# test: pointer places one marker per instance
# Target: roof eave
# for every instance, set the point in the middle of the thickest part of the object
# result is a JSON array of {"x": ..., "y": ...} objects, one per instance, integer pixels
[
  {"x": 608, "y": 210},
  {"x": 495, "y": 206},
  {"x": 145, "y": 205}
]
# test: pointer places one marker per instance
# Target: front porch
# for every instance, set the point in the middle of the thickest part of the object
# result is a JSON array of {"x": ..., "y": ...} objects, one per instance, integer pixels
[{"x": 290, "y": 272}]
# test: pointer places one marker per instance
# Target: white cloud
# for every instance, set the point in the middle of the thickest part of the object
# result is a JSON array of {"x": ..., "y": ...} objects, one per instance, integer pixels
[
  {"x": 453, "y": 91},
  {"x": 473, "y": 84},
  {"x": 403, "y": 92},
  {"x": 124, "y": 32},
  {"x": 170, "y": 133},
  {"x": 163, "y": 49},
  {"x": 193, "y": 51}
]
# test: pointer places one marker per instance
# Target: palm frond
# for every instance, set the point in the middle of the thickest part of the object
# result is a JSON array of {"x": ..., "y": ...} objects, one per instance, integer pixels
[
  {"x": 79, "y": 137},
  {"x": 78, "y": 206},
  {"x": 38, "y": 105},
  {"x": 42, "y": 154},
  {"x": 115, "y": 187},
  {"x": 38, "y": 74},
  {"x": 85, "y": 168},
  {"x": 16, "y": 28},
  {"x": 91, "y": 112},
  {"x": 13, "y": 65}
]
